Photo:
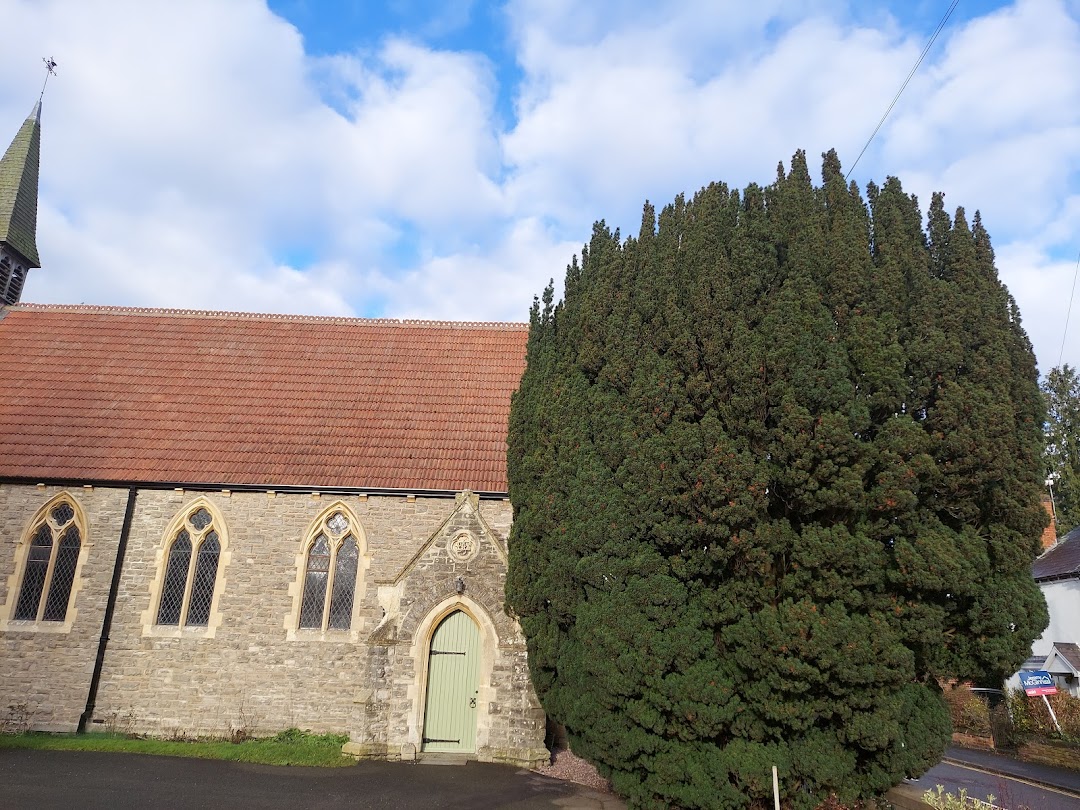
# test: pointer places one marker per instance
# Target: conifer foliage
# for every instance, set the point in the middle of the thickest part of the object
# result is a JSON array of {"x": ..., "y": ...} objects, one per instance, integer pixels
[
  {"x": 775, "y": 467},
  {"x": 1061, "y": 388}
]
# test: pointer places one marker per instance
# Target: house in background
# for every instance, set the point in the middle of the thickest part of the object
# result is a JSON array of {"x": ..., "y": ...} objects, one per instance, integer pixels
[
  {"x": 1057, "y": 571},
  {"x": 222, "y": 523},
  {"x": 1063, "y": 663}
]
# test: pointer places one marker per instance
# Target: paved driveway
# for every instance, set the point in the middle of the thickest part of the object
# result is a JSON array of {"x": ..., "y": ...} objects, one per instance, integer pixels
[{"x": 65, "y": 779}]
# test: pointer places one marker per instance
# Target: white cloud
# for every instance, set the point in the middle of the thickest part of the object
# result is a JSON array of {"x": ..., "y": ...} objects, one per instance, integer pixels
[
  {"x": 420, "y": 142},
  {"x": 480, "y": 283},
  {"x": 996, "y": 121},
  {"x": 631, "y": 120},
  {"x": 1041, "y": 287},
  {"x": 194, "y": 155},
  {"x": 629, "y": 111},
  {"x": 186, "y": 152}
]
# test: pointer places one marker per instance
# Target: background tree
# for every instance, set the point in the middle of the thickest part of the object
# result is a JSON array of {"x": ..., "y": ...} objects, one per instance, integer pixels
[
  {"x": 775, "y": 466},
  {"x": 1062, "y": 391}
]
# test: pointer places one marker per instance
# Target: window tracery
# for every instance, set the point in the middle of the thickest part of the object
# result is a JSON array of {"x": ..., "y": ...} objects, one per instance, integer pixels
[
  {"x": 330, "y": 568},
  {"x": 187, "y": 590},
  {"x": 47, "y": 578}
]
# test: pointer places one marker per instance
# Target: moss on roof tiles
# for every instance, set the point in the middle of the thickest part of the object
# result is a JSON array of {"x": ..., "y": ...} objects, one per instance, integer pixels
[{"x": 19, "y": 189}]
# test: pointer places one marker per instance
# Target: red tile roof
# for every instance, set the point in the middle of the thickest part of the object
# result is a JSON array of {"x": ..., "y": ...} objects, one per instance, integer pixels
[{"x": 179, "y": 397}]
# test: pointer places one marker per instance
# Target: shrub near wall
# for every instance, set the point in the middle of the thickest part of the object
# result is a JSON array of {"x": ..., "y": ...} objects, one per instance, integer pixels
[
  {"x": 1031, "y": 718},
  {"x": 969, "y": 712}
]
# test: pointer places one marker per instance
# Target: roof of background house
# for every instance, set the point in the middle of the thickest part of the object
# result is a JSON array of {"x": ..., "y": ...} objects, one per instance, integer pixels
[
  {"x": 1069, "y": 651},
  {"x": 19, "y": 188},
  {"x": 113, "y": 394},
  {"x": 1060, "y": 560},
  {"x": 1033, "y": 662}
]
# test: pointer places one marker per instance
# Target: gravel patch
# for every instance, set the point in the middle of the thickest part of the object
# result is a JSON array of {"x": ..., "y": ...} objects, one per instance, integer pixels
[{"x": 567, "y": 766}]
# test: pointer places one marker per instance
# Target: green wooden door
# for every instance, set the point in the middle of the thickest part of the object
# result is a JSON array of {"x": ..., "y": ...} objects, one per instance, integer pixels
[{"x": 452, "y": 685}]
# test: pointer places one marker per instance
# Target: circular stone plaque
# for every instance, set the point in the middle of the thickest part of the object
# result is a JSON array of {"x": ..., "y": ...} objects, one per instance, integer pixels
[{"x": 463, "y": 546}]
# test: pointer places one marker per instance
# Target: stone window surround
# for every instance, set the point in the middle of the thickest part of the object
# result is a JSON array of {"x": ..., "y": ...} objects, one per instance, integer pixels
[
  {"x": 161, "y": 564},
  {"x": 293, "y": 631},
  {"x": 22, "y": 553}
]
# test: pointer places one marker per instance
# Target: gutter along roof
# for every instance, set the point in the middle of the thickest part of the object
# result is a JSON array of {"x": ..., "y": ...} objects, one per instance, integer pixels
[{"x": 107, "y": 394}]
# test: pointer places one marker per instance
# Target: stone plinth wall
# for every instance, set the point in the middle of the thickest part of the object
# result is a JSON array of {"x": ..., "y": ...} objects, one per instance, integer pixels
[{"x": 251, "y": 670}]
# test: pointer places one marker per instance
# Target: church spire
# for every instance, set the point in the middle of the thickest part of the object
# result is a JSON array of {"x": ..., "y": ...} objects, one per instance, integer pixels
[{"x": 18, "y": 208}]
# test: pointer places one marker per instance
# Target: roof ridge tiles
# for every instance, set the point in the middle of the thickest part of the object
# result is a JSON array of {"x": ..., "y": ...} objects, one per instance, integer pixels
[{"x": 267, "y": 316}]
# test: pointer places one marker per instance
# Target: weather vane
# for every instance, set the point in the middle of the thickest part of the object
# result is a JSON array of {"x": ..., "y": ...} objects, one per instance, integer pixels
[{"x": 50, "y": 70}]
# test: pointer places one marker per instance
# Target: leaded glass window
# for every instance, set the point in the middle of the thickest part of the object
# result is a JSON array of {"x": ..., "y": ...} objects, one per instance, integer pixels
[
  {"x": 202, "y": 589},
  {"x": 172, "y": 592},
  {"x": 67, "y": 556},
  {"x": 315, "y": 578},
  {"x": 330, "y": 567},
  {"x": 37, "y": 566},
  {"x": 200, "y": 519},
  {"x": 341, "y": 603},
  {"x": 49, "y": 574},
  {"x": 187, "y": 589}
]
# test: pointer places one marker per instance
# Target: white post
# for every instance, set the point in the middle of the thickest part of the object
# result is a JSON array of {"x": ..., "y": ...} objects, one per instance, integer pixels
[
  {"x": 1053, "y": 716},
  {"x": 776, "y": 788}
]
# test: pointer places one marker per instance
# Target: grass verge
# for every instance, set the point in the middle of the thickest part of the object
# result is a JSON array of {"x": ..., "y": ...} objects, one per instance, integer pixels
[{"x": 291, "y": 747}]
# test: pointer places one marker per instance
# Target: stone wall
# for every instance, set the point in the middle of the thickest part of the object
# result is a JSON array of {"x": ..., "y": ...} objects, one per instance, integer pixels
[
  {"x": 251, "y": 671},
  {"x": 46, "y": 667}
]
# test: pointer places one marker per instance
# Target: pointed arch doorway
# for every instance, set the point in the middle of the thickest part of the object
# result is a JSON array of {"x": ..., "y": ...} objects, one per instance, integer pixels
[{"x": 453, "y": 684}]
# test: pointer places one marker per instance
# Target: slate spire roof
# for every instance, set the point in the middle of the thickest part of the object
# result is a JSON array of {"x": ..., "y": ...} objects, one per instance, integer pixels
[
  {"x": 232, "y": 400},
  {"x": 19, "y": 190}
]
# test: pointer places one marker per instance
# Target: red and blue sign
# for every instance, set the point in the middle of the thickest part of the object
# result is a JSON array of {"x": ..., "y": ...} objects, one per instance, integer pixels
[{"x": 1038, "y": 682}]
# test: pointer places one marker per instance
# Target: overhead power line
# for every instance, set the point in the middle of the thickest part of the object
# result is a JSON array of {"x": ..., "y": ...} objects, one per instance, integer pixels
[
  {"x": 903, "y": 87},
  {"x": 1068, "y": 312}
]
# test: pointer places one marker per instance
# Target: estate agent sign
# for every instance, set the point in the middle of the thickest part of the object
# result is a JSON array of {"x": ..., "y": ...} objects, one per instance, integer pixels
[{"x": 1037, "y": 683}]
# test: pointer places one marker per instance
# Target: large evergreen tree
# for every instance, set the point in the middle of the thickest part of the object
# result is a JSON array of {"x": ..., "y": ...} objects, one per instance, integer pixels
[
  {"x": 1062, "y": 391},
  {"x": 775, "y": 467}
]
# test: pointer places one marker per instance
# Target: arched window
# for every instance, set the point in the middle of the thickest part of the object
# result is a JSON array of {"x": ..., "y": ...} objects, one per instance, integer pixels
[
  {"x": 187, "y": 590},
  {"x": 330, "y": 567},
  {"x": 51, "y": 560}
]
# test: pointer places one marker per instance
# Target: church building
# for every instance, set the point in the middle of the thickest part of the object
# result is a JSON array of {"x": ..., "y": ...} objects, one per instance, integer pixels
[{"x": 226, "y": 524}]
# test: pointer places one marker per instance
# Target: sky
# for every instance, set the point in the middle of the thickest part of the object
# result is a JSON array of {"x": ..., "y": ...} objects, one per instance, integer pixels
[{"x": 444, "y": 160}]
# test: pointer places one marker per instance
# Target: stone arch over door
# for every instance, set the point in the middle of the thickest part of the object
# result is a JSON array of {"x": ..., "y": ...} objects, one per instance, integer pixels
[{"x": 486, "y": 645}]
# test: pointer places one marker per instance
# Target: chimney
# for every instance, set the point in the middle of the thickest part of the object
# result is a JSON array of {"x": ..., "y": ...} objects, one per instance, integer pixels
[{"x": 1049, "y": 535}]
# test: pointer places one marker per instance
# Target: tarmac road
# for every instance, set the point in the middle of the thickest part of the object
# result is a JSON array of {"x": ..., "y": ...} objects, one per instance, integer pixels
[
  {"x": 1015, "y": 784},
  {"x": 1008, "y": 792},
  {"x": 90, "y": 780}
]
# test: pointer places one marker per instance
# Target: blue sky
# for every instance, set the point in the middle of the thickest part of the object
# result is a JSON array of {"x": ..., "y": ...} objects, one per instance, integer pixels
[{"x": 444, "y": 160}]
